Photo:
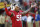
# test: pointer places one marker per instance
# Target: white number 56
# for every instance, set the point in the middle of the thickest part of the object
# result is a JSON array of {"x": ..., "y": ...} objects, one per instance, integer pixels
[{"x": 18, "y": 17}]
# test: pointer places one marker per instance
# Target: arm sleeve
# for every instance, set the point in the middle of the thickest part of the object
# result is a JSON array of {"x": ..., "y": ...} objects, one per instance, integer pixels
[
  {"x": 8, "y": 12},
  {"x": 26, "y": 11}
]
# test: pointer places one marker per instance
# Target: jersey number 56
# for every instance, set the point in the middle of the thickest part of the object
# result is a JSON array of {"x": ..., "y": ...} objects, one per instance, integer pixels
[{"x": 18, "y": 17}]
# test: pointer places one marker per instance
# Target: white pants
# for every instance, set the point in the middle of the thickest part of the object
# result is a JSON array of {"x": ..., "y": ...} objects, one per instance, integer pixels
[{"x": 30, "y": 24}]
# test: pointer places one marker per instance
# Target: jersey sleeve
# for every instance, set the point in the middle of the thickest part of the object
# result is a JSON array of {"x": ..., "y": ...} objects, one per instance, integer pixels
[{"x": 8, "y": 12}]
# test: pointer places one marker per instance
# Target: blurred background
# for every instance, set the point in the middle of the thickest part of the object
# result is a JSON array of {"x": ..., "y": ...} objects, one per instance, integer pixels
[{"x": 33, "y": 21}]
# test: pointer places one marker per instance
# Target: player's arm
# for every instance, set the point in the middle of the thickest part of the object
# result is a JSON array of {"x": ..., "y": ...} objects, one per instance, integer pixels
[
  {"x": 28, "y": 9},
  {"x": 8, "y": 12}
]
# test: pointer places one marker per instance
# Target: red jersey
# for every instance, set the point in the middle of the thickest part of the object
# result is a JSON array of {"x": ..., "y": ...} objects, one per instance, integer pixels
[{"x": 16, "y": 18}]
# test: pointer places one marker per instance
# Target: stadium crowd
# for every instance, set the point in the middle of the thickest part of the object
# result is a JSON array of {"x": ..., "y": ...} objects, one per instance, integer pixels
[{"x": 30, "y": 19}]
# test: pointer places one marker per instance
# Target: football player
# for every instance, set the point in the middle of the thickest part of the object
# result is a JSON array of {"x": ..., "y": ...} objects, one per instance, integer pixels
[{"x": 15, "y": 15}]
